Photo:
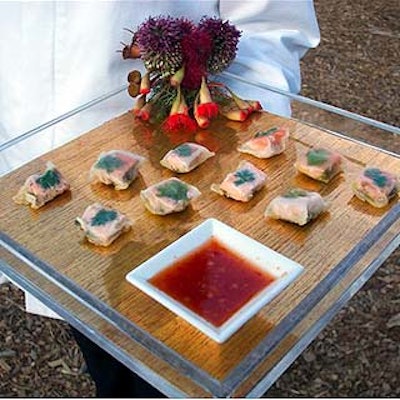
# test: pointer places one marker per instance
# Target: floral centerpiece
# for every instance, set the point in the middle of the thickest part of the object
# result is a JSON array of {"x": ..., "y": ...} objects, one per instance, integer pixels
[{"x": 180, "y": 58}]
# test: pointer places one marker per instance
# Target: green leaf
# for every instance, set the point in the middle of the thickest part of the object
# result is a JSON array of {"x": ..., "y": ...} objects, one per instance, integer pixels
[
  {"x": 103, "y": 217},
  {"x": 243, "y": 176},
  {"x": 294, "y": 193},
  {"x": 317, "y": 156},
  {"x": 109, "y": 162},
  {"x": 266, "y": 133},
  {"x": 128, "y": 176},
  {"x": 184, "y": 150},
  {"x": 174, "y": 190},
  {"x": 49, "y": 179},
  {"x": 377, "y": 176}
]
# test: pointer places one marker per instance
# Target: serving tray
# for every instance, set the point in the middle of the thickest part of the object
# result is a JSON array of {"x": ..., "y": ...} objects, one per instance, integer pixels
[{"x": 320, "y": 247}]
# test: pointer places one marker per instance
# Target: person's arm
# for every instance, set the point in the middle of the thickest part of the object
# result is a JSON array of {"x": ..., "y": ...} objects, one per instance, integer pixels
[{"x": 275, "y": 35}]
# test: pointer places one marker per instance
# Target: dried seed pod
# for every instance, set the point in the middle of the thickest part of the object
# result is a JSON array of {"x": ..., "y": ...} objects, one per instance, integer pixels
[
  {"x": 131, "y": 51},
  {"x": 133, "y": 89},
  {"x": 134, "y": 76}
]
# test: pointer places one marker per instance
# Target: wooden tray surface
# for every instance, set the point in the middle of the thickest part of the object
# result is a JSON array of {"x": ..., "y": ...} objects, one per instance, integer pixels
[{"x": 51, "y": 234}]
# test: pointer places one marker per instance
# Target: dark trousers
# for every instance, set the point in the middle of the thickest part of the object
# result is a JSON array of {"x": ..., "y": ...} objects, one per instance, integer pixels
[{"x": 112, "y": 378}]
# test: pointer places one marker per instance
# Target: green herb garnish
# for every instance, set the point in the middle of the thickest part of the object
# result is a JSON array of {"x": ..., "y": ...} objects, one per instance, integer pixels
[
  {"x": 266, "y": 133},
  {"x": 49, "y": 179},
  {"x": 184, "y": 150},
  {"x": 174, "y": 190},
  {"x": 129, "y": 175},
  {"x": 110, "y": 163},
  {"x": 377, "y": 176},
  {"x": 317, "y": 156},
  {"x": 103, "y": 217},
  {"x": 243, "y": 176},
  {"x": 294, "y": 193}
]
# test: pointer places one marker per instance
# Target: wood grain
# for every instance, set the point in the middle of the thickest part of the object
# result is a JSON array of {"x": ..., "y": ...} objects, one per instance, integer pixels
[{"x": 51, "y": 234}]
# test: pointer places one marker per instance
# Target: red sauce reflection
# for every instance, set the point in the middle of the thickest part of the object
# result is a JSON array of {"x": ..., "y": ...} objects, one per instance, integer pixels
[{"x": 213, "y": 281}]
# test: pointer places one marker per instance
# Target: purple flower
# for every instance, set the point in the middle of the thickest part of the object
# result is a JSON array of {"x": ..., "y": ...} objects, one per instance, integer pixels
[
  {"x": 159, "y": 40},
  {"x": 225, "y": 38}
]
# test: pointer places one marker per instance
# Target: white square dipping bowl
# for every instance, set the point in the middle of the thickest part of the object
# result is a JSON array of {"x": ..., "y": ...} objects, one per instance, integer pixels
[{"x": 283, "y": 269}]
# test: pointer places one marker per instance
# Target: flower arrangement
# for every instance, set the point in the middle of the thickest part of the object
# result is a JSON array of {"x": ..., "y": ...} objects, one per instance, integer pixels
[{"x": 180, "y": 57}]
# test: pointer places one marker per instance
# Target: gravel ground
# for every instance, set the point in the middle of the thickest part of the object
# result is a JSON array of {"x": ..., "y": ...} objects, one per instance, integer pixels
[{"x": 356, "y": 67}]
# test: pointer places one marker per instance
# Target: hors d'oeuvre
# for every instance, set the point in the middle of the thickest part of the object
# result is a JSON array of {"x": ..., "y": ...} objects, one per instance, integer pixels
[
  {"x": 116, "y": 167},
  {"x": 241, "y": 184},
  {"x": 168, "y": 196},
  {"x": 102, "y": 225},
  {"x": 267, "y": 143},
  {"x": 320, "y": 164},
  {"x": 39, "y": 189},
  {"x": 376, "y": 186},
  {"x": 297, "y": 206},
  {"x": 186, "y": 157}
]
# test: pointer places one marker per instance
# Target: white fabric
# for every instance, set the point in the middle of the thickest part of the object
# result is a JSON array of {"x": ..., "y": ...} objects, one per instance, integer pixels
[
  {"x": 34, "y": 306},
  {"x": 57, "y": 55},
  {"x": 3, "y": 279}
]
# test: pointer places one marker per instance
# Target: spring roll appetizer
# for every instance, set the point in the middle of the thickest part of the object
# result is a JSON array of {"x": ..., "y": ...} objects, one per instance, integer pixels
[
  {"x": 320, "y": 164},
  {"x": 116, "y": 167},
  {"x": 186, "y": 157},
  {"x": 266, "y": 144},
  {"x": 297, "y": 206},
  {"x": 376, "y": 186},
  {"x": 168, "y": 196},
  {"x": 241, "y": 184},
  {"x": 102, "y": 225},
  {"x": 39, "y": 189}
]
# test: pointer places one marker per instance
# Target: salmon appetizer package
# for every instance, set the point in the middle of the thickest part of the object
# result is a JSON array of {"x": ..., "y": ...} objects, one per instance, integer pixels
[
  {"x": 102, "y": 225},
  {"x": 376, "y": 187},
  {"x": 40, "y": 189},
  {"x": 297, "y": 206},
  {"x": 116, "y": 167},
  {"x": 266, "y": 144},
  {"x": 168, "y": 196},
  {"x": 242, "y": 184},
  {"x": 320, "y": 164},
  {"x": 186, "y": 157}
]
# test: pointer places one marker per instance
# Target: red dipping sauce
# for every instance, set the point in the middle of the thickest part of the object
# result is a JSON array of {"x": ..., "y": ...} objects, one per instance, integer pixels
[{"x": 213, "y": 281}]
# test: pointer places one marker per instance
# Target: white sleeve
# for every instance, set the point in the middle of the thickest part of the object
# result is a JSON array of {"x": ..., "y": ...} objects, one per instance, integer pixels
[
  {"x": 3, "y": 278},
  {"x": 275, "y": 35}
]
